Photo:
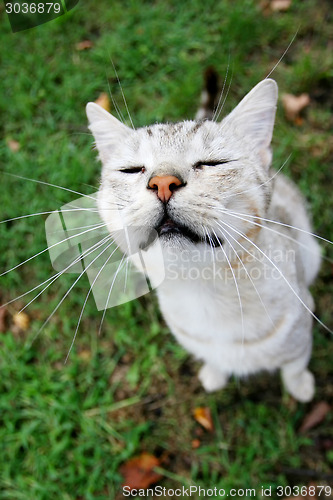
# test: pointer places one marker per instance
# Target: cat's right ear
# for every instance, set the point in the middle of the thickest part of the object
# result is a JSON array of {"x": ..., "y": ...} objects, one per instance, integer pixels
[{"x": 106, "y": 129}]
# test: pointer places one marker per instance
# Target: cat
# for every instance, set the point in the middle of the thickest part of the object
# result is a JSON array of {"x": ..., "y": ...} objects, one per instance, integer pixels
[{"x": 237, "y": 272}]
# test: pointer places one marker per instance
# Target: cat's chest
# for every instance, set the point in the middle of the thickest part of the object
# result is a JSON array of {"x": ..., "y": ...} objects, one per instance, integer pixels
[{"x": 210, "y": 310}]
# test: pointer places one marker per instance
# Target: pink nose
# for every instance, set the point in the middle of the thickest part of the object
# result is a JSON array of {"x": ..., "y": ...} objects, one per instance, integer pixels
[{"x": 164, "y": 185}]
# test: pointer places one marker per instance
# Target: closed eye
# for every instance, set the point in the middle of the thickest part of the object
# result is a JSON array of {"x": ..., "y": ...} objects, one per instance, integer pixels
[
  {"x": 132, "y": 170},
  {"x": 211, "y": 163}
]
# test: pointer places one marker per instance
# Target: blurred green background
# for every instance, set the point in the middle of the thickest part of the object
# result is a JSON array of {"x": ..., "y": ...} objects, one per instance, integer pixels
[{"x": 65, "y": 429}]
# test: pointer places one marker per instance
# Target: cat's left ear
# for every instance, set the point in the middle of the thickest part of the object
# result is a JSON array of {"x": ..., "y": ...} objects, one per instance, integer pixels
[
  {"x": 106, "y": 129},
  {"x": 252, "y": 121}
]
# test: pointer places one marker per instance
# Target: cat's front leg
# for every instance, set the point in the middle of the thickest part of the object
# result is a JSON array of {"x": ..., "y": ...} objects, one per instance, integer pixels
[
  {"x": 299, "y": 381},
  {"x": 211, "y": 378}
]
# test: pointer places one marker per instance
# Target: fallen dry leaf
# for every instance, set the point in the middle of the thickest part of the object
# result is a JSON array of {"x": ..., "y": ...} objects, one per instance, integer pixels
[
  {"x": 21, "y": 320},
  {"x": 203, "y": 416},
  {"x": 84, "y": 45},
  {"x": 195, "y": 443},
  {"x": 104, "y": 101},
  {"x": 280, "y": 5},
  {"x": 316, "y": 416},
  {"x": 85, "y": 355},
  {"x": 293, "y": 105},
  {"x": 269, "y": 6},
  {"x": 138, "y": 471},
  {"x": 3, "y": 315},
  {"x": 13, "y": 145}
]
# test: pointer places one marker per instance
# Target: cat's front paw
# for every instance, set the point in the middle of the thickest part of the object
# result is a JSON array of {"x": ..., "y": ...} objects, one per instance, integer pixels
[
  {"x": 212, "y": 379},
  {"x": 301, "y": 387}
]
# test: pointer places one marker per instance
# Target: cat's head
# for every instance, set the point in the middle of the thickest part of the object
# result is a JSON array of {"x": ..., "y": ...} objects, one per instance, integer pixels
[{"x": 182, "y": 181}]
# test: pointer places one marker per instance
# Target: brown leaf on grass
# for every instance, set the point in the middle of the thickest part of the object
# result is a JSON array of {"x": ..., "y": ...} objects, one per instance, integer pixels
[
  {"x": 84, "y": 45},
  {"x": 195, "y": 443},
  {"x": 104, "y": 101},
  {"x": 269, "y": 6},
  {"x": 85, "y": 355},
  {"x": 203, "y": 416},
  {"x": 3, "y": 315},
  {"x": 138, "y": 471},
  {"x": 21, "y": 320},
  {"x": 280, "y": 5},
  {"x": 13, "y": 145},
  {"x": 293, "y": 105},
  {"x": 316, "y": 416}
]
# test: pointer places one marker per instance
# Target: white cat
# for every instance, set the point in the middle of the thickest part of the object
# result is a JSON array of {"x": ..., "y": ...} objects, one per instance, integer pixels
[{"x": 235, "y": 292}]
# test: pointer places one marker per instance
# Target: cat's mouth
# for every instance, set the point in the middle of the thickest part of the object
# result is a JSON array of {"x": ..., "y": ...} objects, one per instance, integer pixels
[{"x": 168, "y": 228}]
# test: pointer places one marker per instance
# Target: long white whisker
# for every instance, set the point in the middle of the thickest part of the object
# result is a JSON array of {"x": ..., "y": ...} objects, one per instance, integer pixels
[
  {"x": 280, "y": 273},
  {"x": 236, "y": 285},
  {"x": 299, "y": 243},
  {"x": 51, "y": 246},
  {"x": 96, "y": 225},
  {"x": 109, "y": 294},
  {"x": 216, "y": 112},
  {"x": 244, "y": 267},
  {"x": 60, "y": 273},
  {"x": 225, "y": 98},
  {"x": 86, "y": 299},
  {"x": 48, "y": 184},
  {"x": 211, "y": 248},
  {"x": 122, "y": 93},
  {"x": 284, "y": 53},
  {"x": 47, "y": 213},
  {"x": 31, "y": 290},
  {"x": 231, "y": 212},
  {"x": 69, "y": 290},
  {"x": 115, "y": 105},
  {"x": 52, "y": 279}
]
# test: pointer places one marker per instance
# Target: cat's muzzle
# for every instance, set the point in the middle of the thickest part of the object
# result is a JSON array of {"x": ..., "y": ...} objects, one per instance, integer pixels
[{"x": 169, "y": 229}]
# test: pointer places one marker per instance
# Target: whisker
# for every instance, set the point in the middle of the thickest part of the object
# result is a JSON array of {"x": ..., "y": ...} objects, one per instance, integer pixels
[
  {"x": 52, "y": 278},
  {"x": 236, "y": 285},
  {"x": 51, "y": 246},
  {"x": 86, "y": 299},
  {"x": 225, "y": 98},
  {"x": 109, "y": 294},
  {"x": 276, "y": 232},
  {"x": 47, "y": 184},
  {"x": 280, "y": 273},
  {"x": 60, "y": 273},
  {"x": 284, "y": 53},
  {"x": 122, "y": 93},
  {"x": 115, "y": 105},
  {"x": 69, "y": 290},
  {"x": 94, "y": 226},
  {"x": 231, "y": 212},
  {"x": 46, "y": 213},
  {"x": 216, "y": 113},
  {"x": 211, "y": 248},
  {"x": 244, "y": 267}
]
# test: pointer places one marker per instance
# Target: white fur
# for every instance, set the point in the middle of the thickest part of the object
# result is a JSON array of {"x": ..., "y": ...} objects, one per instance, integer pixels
[{"x": 241, "y": 313}]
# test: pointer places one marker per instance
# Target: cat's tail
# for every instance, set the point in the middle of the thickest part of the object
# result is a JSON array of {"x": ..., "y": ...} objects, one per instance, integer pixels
[{"x": 208, "y": 95}]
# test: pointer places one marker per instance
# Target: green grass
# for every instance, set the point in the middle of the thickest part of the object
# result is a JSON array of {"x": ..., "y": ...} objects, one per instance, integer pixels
[{"x": 66, "y": 428}]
